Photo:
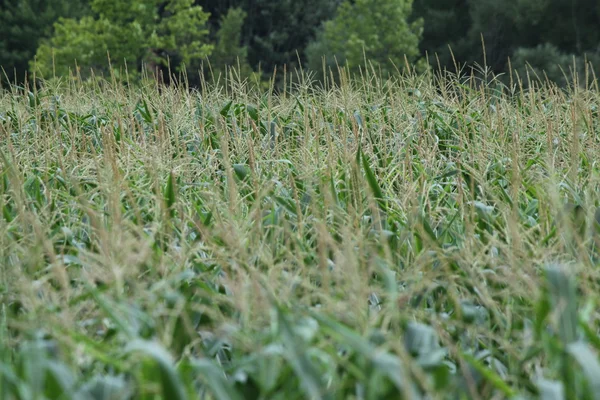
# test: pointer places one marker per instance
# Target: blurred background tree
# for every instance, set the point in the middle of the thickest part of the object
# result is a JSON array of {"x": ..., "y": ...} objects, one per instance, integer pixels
[
  {"x": 155, "y": 33},
  {"x": 267, "y": 34},
  {"x": 545, "y": 33},
  {"x": 373, "y": 30},
  {"x": 229, "y": 51},
  {"x": 447, "y": 19},
  {"x": 275, "y": 32},
  {"x": 24, "y": 23}
]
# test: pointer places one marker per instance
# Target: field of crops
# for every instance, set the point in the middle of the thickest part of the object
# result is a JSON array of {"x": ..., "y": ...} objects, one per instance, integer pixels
[{"x": 423, "y": 238}]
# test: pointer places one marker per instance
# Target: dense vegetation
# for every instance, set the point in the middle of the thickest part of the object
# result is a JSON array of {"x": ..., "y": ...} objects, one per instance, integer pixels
[
  {"x": 429, "y": 237},
  {"x": 268, "y": 35},
  {"x": 360, "y": 228}
]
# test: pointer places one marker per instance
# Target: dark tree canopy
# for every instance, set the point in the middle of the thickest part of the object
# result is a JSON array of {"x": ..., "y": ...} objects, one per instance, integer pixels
[
  {"x": 275, "y": 31},
  {"x": 268, "y": 34},
  {"x": 135, "y": 33},
  {"x": 23, "y": 23}
]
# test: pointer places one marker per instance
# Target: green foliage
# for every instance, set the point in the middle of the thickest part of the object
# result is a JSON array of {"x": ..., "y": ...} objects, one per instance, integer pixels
[
  {"x": 557, "y": 33},
  {"x": 540, "y": 29},
  {"x": 547, "y": 62},
  {"x": 494, "y": 23},
  {"x": 373, "y": 30},
  {"x": 570, "y": 25},
  {"x": 275, "y": 32},
  {"x": 228, "y": 50},
  {"x": 409, "y": 238},
  {"x": 133, "y": 33},
  {"x": 446, "y": 26},
  {"x": 23, "y": 23},
  {"x": 268, "y": 34}
]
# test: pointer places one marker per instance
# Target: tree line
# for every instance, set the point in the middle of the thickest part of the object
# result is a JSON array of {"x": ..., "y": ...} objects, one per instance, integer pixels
[{"x": 57, "y": 37}]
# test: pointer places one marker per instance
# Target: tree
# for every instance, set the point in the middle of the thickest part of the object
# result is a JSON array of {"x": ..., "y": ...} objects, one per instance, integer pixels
[
  {"x": 548, "y": 32},
  {"x": 496, "y": 23},
  {"x": 134, "y": 33},
  {"x": 545, "y": 33},
  {"x": 546, "y": 61},
  {"x": 446, "y": 28},
  {"x": 275, "y": 32},
  {"x": 570, "y": 25},
  {"x": 23, "y": 23},
  {"x": 377, "y": 30},
  {"x": 228, "y": 50}
]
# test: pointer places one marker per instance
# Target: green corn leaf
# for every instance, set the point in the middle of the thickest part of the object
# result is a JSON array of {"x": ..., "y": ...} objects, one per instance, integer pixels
[
  {"x": 591, "y": 335},
  {"x": 145, "y": 112},
  {"x": 169, "y": 194},
  {"x": 172, "y": 387},
  {"x": 373, "y": 184},
  {"x": 225, "y": 109},
  {"x": 420, "y": 339},
  {"x": 59, "y": 382},
  {"x": 123, "y": 325},
  {"x": 564, "y": 298},
  {"x": 242, "y": 171},
  {"x": 214, "y": 378},
  {"x": 105, "y": 387},
  {"x": 389, "y": 364},
  {"x": 550, "y": 390},
  {"x": 252, "y": 112},
  {"x": 296, "y": 356},
  {"x": 490, "y": 376},
  {"x": 587, "y": 359}
]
